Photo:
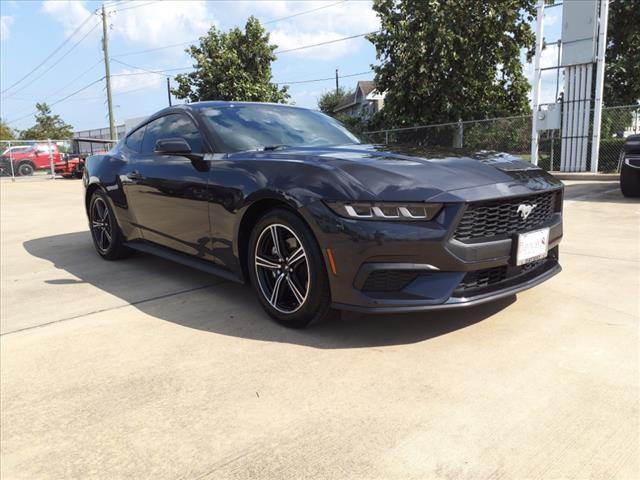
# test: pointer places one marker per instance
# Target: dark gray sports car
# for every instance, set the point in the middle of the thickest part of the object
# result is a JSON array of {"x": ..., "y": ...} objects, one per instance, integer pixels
[{"x": 288, "y": 199}]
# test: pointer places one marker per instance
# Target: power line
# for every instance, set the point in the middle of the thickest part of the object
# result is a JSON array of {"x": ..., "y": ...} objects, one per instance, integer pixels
[
  {"x": 144, "y": 70},
  {"x": 61, "y": 100},
  {"x": 57, "y": 61},
  {"x": 323, "y": 79},
  {"x": 56, "y": 50},
  {"x": 190, "y": 42},
  {"x": 325, "y": 43},
  {"x": 135, "y": 6},
  {"x": 49, "y": 95},
  {"x": 304, "y": 13},
  {"x": 138, "y": 52},
  {"x": 77, "y": 77}
]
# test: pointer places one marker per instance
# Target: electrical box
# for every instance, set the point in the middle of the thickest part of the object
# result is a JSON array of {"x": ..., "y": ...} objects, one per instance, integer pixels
[
  {"x": 548, "y": 118},
  {"x": 579, "y": 27}
]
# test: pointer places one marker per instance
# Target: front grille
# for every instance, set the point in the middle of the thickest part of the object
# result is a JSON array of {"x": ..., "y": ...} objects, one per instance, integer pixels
[
  {"x": 501, "y": 217},
  {"x": 389, "y": 280},
  {"x": 489, "y": 277}
]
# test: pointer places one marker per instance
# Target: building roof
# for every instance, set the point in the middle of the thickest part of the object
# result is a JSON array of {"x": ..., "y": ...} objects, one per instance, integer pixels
[{"x": 365, "y": 86}]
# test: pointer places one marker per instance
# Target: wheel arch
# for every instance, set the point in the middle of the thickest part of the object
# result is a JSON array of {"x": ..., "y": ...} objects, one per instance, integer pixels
[
  {"x": 91, "y": 188},
  {"x": 251, "y": 216}
]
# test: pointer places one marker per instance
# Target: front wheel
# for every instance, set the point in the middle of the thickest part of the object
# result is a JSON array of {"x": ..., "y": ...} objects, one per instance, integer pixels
[{"x": 287, "y": 270}]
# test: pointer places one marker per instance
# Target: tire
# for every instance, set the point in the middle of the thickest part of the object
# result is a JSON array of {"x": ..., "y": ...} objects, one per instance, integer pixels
[
  {"x": 105, "y": 232},
  {"x": 25, "y": 169},
  {"x": 629, "y": 181},
  {"x": 290, "y": 280}
]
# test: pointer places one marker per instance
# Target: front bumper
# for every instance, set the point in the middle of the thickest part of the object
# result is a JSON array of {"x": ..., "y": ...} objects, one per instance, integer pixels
[{"x": 427, "y": 268}]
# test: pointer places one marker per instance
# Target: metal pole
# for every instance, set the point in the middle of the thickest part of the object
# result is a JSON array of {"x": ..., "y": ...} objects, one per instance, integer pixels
[
  {"x": 13, "y": 173},
  {"x": 337, "y": 82},
  {"x": 558, "y": 70},
  {"x": 107, "y": 73},
  {"x": 169, "y": 90},
  {"x": 536, "y": 83},
  {"x": 53, "y": 171},
  {"x": 597, "y": 114}
]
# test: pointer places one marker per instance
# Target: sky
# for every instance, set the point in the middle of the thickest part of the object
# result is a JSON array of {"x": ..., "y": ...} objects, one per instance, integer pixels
[{"x": 144, "y": 35}]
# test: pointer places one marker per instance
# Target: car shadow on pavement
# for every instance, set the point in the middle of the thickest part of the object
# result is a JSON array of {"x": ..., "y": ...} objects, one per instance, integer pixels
[{"x": 196, "y": 300}]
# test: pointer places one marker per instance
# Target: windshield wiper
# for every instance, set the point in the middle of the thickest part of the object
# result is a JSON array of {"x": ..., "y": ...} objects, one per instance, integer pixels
[{"x": 271, "y": 148}]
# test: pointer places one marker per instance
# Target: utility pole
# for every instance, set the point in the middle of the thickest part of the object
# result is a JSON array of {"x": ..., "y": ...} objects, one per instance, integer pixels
[
  {"x": 105, "y": 48},
  {"x": 169, "y": 91},
  {"x": 337, "y": 84}
]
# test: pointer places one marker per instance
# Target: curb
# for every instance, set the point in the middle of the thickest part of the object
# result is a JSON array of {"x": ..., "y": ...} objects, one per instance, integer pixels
[{"x": 599, "y": 177}]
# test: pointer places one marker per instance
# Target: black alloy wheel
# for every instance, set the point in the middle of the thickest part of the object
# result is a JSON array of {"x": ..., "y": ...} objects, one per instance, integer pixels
[
  {"x": 288, "y": 270},
  {"x": 106, "y": 234},
  {"x": 101, "y": 225}
]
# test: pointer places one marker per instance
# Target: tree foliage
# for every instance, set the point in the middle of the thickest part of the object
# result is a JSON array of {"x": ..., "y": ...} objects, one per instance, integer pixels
[
  {"x": 622, "y": 71},
  {"x": 328, "y": 101},
  {"x": 47, "y": 126},
  {"x": 233, "y": 65},
  {"x": 6, "y": 132},
  {"x": 442, "y": 61}
]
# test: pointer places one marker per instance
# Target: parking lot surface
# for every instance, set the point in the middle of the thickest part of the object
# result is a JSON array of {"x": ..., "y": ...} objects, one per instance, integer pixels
[{"x": 145, "y": 369}]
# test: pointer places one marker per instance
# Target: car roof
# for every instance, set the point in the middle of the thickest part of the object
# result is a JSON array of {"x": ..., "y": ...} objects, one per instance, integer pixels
[{"x": 219, "y": 103}]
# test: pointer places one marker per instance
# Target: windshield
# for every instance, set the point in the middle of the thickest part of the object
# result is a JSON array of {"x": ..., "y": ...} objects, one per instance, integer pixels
[{"x": 243, "y": 127}]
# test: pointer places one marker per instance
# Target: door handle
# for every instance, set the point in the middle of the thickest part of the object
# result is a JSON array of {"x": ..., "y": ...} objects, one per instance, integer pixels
[{"x": 135, "y": 176}]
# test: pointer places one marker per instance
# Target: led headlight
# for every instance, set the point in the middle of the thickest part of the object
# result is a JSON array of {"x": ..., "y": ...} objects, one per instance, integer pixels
[{"x": 399, "y": 211}]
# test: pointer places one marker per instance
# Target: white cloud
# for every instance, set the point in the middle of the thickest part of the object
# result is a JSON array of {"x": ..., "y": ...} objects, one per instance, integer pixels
[
  {"x": 71, "y": 14},
  {"x": 330, "y": 23},
  {"x": 161, "y": 23},
  {"x": 124, "y": 83},
  {"x": 5, "y": 26}
]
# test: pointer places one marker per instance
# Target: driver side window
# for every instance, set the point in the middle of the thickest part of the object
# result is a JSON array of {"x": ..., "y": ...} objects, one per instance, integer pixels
[{"x": 172, "y": 126}]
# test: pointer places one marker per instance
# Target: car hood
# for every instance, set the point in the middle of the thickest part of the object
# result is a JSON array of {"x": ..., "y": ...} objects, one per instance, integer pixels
[{"x": 401, "y": 173}]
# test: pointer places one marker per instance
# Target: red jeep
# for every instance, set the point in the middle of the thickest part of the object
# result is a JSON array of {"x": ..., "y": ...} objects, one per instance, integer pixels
[{"x": 28, "y": 158}]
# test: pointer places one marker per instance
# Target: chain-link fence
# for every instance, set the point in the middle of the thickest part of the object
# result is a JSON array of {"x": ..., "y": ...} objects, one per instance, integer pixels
[
  {"x": 513, "y": 135},
  {"x": 23, "y": 159}
]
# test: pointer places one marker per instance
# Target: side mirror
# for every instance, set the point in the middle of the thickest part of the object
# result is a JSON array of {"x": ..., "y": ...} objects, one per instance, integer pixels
[{"x": 180, "y": 147}]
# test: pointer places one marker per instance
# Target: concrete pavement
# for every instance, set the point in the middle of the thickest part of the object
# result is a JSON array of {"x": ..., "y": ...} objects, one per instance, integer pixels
[{"x": 146, "y": 369}]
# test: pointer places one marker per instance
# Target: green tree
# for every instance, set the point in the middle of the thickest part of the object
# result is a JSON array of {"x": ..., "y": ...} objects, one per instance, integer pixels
[
  {"x": 235, "y": 65},
  {"x": 442, "y": 61},
  {"x": 622, "y": 71},
  {"x": 47, "y": 126},
  {"x": 328, "y": 101},
  {"x": 6, "y": 132}
]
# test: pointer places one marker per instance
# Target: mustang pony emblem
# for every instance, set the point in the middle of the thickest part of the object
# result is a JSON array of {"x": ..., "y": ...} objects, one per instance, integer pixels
[{"x": 525, "y": 210}]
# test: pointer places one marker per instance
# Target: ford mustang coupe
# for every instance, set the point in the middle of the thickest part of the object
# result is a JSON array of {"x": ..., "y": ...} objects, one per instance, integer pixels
[{"x": 288, "y": 199}]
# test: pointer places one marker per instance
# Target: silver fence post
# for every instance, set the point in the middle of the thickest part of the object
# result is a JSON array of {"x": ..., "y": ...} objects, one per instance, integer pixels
[
  {"x": 13, "y": 174},
  {"x": 386, "y": 137},
  {"x": 53, "y": 172}
]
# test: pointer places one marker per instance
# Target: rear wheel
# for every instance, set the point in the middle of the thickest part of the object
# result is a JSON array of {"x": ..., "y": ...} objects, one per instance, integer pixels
[
  {"x": 25, "y": 169},
  {"x": 107, "y": 237},
  {"x": 287, "y": 270}
]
